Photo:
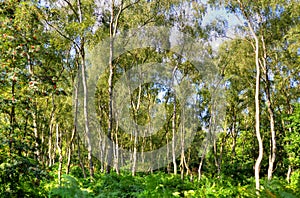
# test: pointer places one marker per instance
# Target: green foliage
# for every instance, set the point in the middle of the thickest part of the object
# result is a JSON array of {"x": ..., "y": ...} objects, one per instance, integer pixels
[
  {"x": 39, "y": 62},
  {"x": 20, "y": 177},
  {"x": 295, "y": 181},
  {"x": 161, "y": 184},
  {"x": 70, "y": 187},
  {"x": 292, "y": 139},
  {"x": 114, "y": 185},
  {"x": 22, "y": 50},
  {"x": 277, "y": 187}
]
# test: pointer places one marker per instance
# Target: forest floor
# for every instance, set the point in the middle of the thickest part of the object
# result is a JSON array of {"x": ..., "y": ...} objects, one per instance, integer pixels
[{"x": 160, "y": 184}]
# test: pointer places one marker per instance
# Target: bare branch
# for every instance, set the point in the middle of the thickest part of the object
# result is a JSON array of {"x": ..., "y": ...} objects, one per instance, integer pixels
[{"x": 72, "y": 8}]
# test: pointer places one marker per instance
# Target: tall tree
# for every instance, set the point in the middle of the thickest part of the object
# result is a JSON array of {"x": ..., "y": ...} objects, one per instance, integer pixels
[
  {"x": 74, "y": 31},
  {"x": 25, "y": 80}
]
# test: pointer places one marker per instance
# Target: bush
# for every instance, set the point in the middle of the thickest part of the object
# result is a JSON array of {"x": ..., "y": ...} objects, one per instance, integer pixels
[
  {"x": 70, "y": 187},
  {"x": 295, "y": 181},
  {"x": 161, "y": 184}
]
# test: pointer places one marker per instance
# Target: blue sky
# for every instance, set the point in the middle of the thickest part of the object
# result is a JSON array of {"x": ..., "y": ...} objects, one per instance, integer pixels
[{"x": 213, "y": 14}]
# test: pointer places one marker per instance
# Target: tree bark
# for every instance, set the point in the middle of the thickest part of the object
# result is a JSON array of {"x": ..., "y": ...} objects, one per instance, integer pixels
[
  {"x": 136, "y": 133},
  {"x": 76, "y": 87},
  {"x": 12, "y": 116},
  {"x": 272, "y": 154},
  {"x": 51, "y": 133},
  {"x": 288, "y": 175},
  {"x": 81, "y": 50},
  {"x": 182, "y": 144},
  {"x": 79, "y": 157},
  {"x": 116, "y": 154},
  {"x": 174, "y": 124},
  {"x": 257, "y": 100},
  {"x": 221, "y": 154},
  {"x": 234, "y": 136},
  {"x": 257, "y": 117},
  {"x": 202, "y": 160},
  {"x": 86, "y": 116},
  {"x": 35, "y": 130},
  {"x": 110, "y": 85},
  {"x": 58, "y": 144}
]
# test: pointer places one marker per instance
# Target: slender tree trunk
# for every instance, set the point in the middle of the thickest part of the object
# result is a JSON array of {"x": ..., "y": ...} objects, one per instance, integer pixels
[
  {"x": 151, "y": 148},
  {"x": 187, "y": 162},
  {"x": 143, "y": 145},
  {"x": 290, "y": 110},
  {"x": 202, "y": 160},
  {"x": 113, "y": 26},
  {"x": 110, "y": 84},
  {"x": 212, "y": 128},
  {"x": 101, "y": 147},
  {"x": 221, "y": 154},
  {"x": 58, "y": 144},
  {"x": 174, "y": 124},
  {"x": 257, "y": 100},
  {"x": 69, "y": 153},
  {"x": 215, "y": 150},
  {"x": 182, "y": 144},
  {"x": 12, "y": 116},
  {"x": 134, "y": 153},
  {"x": 51, "y": 133},
  {"x": 81, "y": 50},
  {"x": 288, "y": 175},
  {"x": 76, "y": 87},
  {"x": 223, "y": 142},
  {"x": 117, "y": 150},
  {"x": 207, "y": 140},
  {"x": 79, "y": 157},
  {"x": 168, "y": 153},
  {"x": 136, "y": 133},
  {"x": 272, "y": 154},
  {"x": 289, "y": 172},
  {"x": 234, "y": 136},
  {"x": 70, "y": 150},
  {"x": 36, "y": 135},
  {"x": 42, "y": 156},
  {"x": 50, "y": 145},
  {"x": 150, "y": 139},
  {"x": 257, "y": 116},
  {"x": 86, "y": 114},
  {"x": 86, "y": 117},
  {"x": 188, "y": 171}
]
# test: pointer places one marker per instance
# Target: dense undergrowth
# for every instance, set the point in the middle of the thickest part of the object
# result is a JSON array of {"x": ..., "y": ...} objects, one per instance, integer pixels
[{"x": 161, "y": 184}]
